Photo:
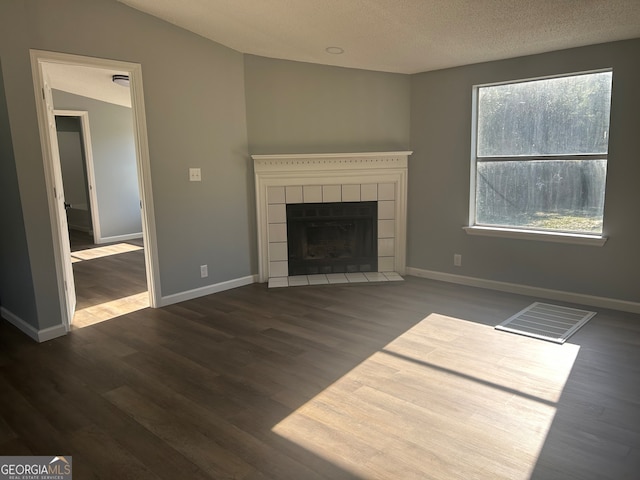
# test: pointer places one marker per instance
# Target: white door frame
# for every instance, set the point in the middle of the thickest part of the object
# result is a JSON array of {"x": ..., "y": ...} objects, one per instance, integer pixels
[
  {"x": 57, "y": 208},
  {"x": 39, "y": 60},
  {"x": 83, "y": 115}
]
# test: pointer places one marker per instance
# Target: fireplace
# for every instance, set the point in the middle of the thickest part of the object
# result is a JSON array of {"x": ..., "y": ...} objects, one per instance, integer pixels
[
  {"x": 308, "y": 184},
  {"x": 338, "y": 237}
]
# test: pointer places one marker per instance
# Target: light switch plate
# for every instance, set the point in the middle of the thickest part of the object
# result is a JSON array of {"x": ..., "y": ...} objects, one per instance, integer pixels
[{"x": 195, "y": 175}]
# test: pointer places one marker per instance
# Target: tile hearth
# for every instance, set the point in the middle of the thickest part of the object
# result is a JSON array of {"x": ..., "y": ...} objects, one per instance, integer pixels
[{"x": 334, "y": 278}]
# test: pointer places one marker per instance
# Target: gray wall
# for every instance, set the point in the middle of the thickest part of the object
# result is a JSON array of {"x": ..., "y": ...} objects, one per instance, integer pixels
[
  {"x": 195, "y": 109},
  {"x": 197, "y": 117},
  {"x": 29, "y": 173},
  {"x": 16, "y": 283},
  {"x": 114, "y": 161},
  {"x": 440, "y": 168},
  {"x": 295, "y": 107}
]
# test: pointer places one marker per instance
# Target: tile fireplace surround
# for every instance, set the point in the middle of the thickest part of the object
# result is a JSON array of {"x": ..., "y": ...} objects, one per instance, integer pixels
[{"x": 330, "y": 177}]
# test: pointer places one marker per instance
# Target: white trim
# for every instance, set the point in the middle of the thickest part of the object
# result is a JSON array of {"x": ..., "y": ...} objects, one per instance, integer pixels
[
  {"x": 88, "y": 157},
  {"x": 121, "y": 238},
  {"x": 208, "y": 290},
  {"x": 39, "y": 58},
  {"x": 20, "y": 324},
  {"x": 51, "y": 333},
  {"x": 151, "y": 260},
  {"x": 37, "y": 335},
  {"x": 543, "y": 236},
  {"x": 314, "y": 156},
  {"x": 546, "y": 236},
  {"x": 561, "y": 295},
  {"x": 54, "y": 189}
]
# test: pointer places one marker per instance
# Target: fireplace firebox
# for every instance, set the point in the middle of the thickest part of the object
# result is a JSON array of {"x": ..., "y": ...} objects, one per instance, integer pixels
[{"x": 332, "y": 237}]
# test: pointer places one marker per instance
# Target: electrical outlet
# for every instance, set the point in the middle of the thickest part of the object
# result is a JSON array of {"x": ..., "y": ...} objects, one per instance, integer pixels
[
  {"x": 195, "y": 175},
  {"x": 457, "y": 260},
  {"x": 204, "y": 271}
]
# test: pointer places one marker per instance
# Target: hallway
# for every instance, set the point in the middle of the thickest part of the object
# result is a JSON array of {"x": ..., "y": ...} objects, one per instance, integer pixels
[{"x": 110, "y": 279}]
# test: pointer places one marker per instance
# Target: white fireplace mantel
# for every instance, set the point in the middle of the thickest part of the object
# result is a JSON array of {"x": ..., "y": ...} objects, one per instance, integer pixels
[{"x": 330, "y": 177}]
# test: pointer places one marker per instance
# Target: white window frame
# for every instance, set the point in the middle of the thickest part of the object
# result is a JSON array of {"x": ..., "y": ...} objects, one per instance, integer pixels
[{"x": 514, "y": 232}]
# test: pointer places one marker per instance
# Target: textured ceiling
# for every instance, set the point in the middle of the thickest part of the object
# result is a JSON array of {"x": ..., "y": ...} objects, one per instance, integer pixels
[{"x": 405, "y": 36}]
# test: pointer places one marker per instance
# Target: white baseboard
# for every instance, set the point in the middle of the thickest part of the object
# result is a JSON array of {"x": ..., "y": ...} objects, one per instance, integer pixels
[
  {"x": 563, "y": 296},
  {"x": 37, "y": 335},
  {"x": 51, "y": 333},
  {"x": 119, "y": 238},
  {"x": 208, "y": 290}
]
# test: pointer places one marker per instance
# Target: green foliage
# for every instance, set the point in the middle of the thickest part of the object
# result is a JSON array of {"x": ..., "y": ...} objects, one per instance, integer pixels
[
  {"x": 568, "y": 222},
  {"x": 557, "y": 116}
]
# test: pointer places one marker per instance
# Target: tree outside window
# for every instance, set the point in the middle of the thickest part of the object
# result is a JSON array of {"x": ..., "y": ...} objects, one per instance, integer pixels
[{"x": 541, "y": 150}]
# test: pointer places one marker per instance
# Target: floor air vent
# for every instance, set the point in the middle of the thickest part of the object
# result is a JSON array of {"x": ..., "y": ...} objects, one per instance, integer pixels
[{"x": 546, "y": 322}]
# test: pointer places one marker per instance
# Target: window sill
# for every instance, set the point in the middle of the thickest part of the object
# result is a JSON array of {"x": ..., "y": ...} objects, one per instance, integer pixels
[{"x": 573, "y": 238}]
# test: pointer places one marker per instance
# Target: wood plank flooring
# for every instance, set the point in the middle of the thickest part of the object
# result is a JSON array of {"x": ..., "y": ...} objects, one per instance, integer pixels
[
  {"x": 404, "y": 380},
  {"x": 110, "y": 279}
]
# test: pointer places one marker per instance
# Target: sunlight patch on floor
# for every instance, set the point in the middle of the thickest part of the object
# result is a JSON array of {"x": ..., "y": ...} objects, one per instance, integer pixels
[
  {"x": 108, "y": 310},
  {"x": 450, "y": 397},
  {"x": 99, "y": 252}
]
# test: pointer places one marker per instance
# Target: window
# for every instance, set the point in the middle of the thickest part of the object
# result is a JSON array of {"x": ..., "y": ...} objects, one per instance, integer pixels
[{"x": 540, "y": 154}]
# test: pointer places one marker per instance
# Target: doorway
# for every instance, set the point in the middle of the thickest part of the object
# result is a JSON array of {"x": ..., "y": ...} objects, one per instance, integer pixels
[
  {"x": 43, "y": 65},
  {"x": 109, "y": 276},
  {"x": 78, "y": 179}
]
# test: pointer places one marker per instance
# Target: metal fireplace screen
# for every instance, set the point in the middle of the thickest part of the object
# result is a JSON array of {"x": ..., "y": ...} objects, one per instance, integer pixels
[{"x": 332, "y": 237}]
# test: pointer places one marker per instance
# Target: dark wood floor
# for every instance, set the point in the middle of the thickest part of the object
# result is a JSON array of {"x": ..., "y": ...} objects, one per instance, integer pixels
[{"x": 400, "y": 380}]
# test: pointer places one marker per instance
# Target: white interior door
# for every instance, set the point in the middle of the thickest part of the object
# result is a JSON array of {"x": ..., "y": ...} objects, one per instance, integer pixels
[{"x": 63, "y": 228}]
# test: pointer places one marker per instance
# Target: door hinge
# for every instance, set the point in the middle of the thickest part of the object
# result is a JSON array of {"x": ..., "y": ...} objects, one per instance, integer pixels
[
  {"x": 43, "y": 96},
  {"x": 66, "y": 288}
]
